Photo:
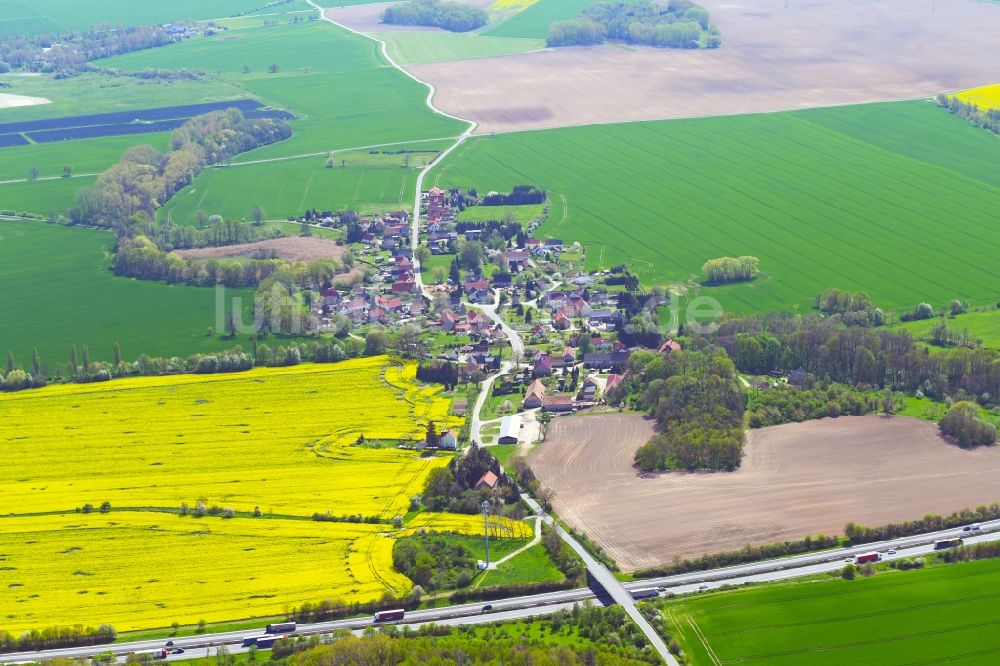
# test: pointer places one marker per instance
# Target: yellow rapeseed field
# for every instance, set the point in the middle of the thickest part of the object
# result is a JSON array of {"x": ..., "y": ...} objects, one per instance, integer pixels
[
  {"x": 238, "y": 440},
  {"x": 504, "y": 5},
  {"x": 281, "y": 440},
  {"x": 985, "y": 97}
]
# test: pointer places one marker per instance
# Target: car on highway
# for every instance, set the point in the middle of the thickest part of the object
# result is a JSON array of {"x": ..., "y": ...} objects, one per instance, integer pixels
[
  {"x": 703, "y": 586},
  {"x": 177, "y": 650},
  {"x": 849, "y": 560},
  {"x": 169, "y": 643},
  {"x": 891, "y": 551},
  {"x": 487, "y": 608},
  {"x": 975, "y": 527}
]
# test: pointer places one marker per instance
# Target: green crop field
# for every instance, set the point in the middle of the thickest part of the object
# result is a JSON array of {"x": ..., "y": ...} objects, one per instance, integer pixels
[
  {"x": 945, "y": 614},
  {"x": 410, "y": 48},
  {"x": 337, "y": 83},
  {"x": 898, "y": 200},
  {"x": 523, "y": 214},
  {"x": 85, "y": 156},
  {"x": 983, "y": 326},
  {"x": 41, "y": 196},
  {"x": 534, "y": 21},
  {"x": 303, "y": 183},
  {"x": 37, "y": 16},
  {"x": 58, "y": 291}
]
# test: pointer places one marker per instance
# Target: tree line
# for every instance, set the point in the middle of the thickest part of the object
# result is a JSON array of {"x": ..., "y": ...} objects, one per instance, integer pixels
[
  {"x": 139, "y": 257},
  {"x": 680, "y": 24},
  {"x": 931, "y": 523},
  {"x": 57, "y": 637},
  {"x": 453, "y": 16},
  {"x": 982, "y": 117},
  {"x": 698, "y": 402},
  {"x": 144, "y": 178},
  {"x": 832, "y": 351},
  {"x": 212, "y": 231},
  {"x": 70, "y": 52},
  {"x": 964, "y": 425}
]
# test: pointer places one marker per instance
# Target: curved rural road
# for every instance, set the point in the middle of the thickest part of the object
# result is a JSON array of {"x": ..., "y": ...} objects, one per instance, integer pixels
[{"x": 598, "y": 570}]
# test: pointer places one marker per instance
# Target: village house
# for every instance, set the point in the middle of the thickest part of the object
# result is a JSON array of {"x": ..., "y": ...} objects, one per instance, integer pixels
[
  {"x": 612, "y": 382},
  {"x": 448, "y": 440},
  {"x": 669, "y": 346},
  {"x": 557, "y": 403},
  {"x": 437, "y": 204},
  {"x": 487, "y": 481},
  {"x": 542, "y": 367},
  {"x": 560, "y": 322},
  {"x": 534, "y": 395}
]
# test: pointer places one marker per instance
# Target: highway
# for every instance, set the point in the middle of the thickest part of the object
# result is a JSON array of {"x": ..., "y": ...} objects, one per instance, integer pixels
[
  {"x": 520, "y": 607},
  {"x": 544, "y": 604}
]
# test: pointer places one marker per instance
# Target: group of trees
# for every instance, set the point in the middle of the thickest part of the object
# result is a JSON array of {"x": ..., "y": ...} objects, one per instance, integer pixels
[
  {"x": 212, "y": 231},
  {"x": 725, "y": 270},
  {"x": 453, "y": 16},
  {"x": 453, "y": 488},
  {"x": 70, "y": 52},
  {"x": 57, "y": 637},
  {"x": 681, "y": 24},
  {"x": 144, "y": 178},
  {"x": 139, "y": 257},
  {"x": 789, "y": 404},
  {"x": 698, "y": 402},
  {"x": 521, "y": 195},
  {"x": 831, "y": 351},
  {"x": 965, "y": 426},
  {"x": 986, "y": 118},
  {"x": 855, "y": 309},
  {"x": 439, "y": 373},
  {"x": 615, "y": 641},
  {"x": 434, "y": 561}
]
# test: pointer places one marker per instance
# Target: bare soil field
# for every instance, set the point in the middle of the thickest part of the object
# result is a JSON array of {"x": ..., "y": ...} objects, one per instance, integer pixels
[
  {"x": 366, "y": 18},
  {"x": 9, "y": 101},
  {"x": 292, "y": 248},
  {"x": 811, "y": 54},
  {"x": 796, "y": 480}
]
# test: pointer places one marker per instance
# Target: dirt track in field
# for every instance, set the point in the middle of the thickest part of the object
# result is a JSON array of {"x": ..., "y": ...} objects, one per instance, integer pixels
[
  {"x": 796, "y": 480},
  {"x": 812, "y": 54},
  {"x": 292, "y": 248}
]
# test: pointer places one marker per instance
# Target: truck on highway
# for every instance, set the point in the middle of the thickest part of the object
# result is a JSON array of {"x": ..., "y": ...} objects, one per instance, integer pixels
[
  {"x": 158, "y": 653},
  {"x": 280, "y": 628},
  {"x": 390, "y": 615},
  {"x": 263, "y": 641},
  {"x": 645, "y": 593},
  {"x": 865, "y": 558},
  {"x": 945, "y": 544}
]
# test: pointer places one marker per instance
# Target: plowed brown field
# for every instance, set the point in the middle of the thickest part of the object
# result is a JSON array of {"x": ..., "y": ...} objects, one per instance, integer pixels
[{"x": 796, "y": 480}]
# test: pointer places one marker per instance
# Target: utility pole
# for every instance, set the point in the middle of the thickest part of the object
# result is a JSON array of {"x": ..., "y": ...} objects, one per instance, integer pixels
[{"x": 486, "y": 530}]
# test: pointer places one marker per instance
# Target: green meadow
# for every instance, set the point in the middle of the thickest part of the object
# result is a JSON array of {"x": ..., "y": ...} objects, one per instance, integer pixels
[
  {"x": 303, "y": 183},
  {"x": 41, "y": 16},
  {"x": 945, "y": 614},
  {"x": 59, "y": 291},
  {"x": 417, "y": 47},
  {"x": 337, "y": 84},
  {"x": 534, "y": 22},
  {"x": 984, "y": 326},
  {"x": 898, "y": 200}
]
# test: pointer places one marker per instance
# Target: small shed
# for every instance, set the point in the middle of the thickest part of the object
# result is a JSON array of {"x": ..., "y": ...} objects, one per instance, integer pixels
[{"x": 510, "y": 429}]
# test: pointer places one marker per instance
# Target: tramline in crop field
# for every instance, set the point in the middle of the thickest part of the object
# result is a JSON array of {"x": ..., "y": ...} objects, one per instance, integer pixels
[{"x": 281, "y": 441}]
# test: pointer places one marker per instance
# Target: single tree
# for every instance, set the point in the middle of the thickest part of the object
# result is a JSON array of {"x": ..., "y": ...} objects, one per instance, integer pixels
[
  {"x": 246, "y": 69},
  {"x": 72, "y": 360},
  {"x": 33, "y": 173},
  {"x": 118, "y": 356},
  {"x": 86, "y": 360},
  {"x": 67, "y": 171},
  {"x": 36, "y": 364},
  {"x": 273, "y": 68},
  {"x": 432, "y": 436},
  {"x": 329, "y": 163},
  {"x": 231, "y": 325},
  {"x": 258, "y": 215},
  {"x": 10, "y": 362}
]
